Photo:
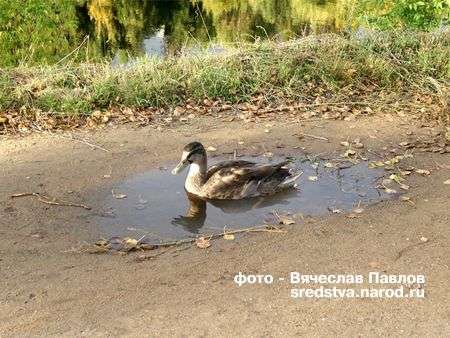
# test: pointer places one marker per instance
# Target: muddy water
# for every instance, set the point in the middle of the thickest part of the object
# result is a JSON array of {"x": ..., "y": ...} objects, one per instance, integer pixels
[{"x": 156, "y": 204}]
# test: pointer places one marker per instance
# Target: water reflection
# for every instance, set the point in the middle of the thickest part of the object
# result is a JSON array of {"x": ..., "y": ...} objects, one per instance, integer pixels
[
  {"x": 120, "y": 29},
  {"x": 124, "y": 28},
  {"x": 196, "y": 213}
]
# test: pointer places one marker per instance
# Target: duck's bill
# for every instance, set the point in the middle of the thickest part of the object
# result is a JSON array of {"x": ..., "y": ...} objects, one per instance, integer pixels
[{"x": 180, "y": 167}]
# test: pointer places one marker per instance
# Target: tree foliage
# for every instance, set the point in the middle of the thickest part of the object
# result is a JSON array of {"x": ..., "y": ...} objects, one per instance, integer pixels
[{"x": 415, "y": 14}]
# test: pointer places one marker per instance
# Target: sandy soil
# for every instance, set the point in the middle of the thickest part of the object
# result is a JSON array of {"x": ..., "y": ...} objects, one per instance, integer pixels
[{"x": 48, "y": 288}]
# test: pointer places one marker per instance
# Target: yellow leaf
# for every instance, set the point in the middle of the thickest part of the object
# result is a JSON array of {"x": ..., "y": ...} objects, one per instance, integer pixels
[{"x": 228, "y": 237}]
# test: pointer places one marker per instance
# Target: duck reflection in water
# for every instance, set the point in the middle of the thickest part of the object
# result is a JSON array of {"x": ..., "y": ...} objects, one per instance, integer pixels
[{"x": 195, "y": 217}]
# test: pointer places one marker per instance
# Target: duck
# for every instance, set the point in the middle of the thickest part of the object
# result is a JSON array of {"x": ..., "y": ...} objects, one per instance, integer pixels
[{"x": 234, "y": 179}]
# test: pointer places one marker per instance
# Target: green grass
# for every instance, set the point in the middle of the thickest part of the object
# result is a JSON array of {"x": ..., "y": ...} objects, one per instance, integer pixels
[{"x": 394, "y": 61}]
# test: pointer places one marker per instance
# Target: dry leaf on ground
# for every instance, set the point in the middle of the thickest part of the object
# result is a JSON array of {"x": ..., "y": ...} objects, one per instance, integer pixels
[
  {"x": 202, "y": 243},
  {"x": 423, "y": 172},
  {"x": 285, "y": 220},
  {"x": 118, "y": 196},
  {"x": 228, "y": 237}
]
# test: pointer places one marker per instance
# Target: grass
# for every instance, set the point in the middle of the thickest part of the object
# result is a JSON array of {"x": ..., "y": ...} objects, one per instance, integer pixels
[{"x": 394, "y": 62}]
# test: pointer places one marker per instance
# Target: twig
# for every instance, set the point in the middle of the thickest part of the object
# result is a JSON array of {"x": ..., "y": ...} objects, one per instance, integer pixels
[
  {"x": 409, "y": 248},
  {"x": 143, "y": 258},
  {"x": 260, "y": 228},
  {"x": 315, "y": 137},
  {"x": 51, "y": 201},
  {"x": 375, "y": 153},
  {"x": 82, "y": 141},
  {"x": 153, "y": 246}
]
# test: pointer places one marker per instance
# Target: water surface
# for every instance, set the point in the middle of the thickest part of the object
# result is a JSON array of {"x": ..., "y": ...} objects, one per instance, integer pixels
[
  {"x": 121, "y": 29},
  {"x": 157, "y": 205}
]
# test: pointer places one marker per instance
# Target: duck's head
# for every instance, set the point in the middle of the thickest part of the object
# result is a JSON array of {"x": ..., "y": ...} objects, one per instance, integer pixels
[{"x": 193, "y": 152}]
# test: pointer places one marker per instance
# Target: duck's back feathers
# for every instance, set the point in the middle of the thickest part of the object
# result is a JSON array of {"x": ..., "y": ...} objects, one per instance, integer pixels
[
  {"x": 242, "y": 179},
  {"x": 228, "y": 164}
]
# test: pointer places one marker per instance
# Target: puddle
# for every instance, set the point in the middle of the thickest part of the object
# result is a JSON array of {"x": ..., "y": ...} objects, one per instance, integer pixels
[{"x": 156, "y": 204}]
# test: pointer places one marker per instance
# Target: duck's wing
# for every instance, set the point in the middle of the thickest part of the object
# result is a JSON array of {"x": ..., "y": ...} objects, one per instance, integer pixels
[
  {"x": 236, "y": 182},
  {"x": 228, "y": 165}
]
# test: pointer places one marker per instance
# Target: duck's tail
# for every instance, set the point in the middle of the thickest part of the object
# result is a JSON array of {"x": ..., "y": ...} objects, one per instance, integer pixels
[{"x": 290, "y": 180}]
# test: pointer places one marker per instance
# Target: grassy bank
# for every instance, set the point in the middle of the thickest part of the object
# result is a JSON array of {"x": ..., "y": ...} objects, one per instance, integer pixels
[{"x": 299, "y": 70}]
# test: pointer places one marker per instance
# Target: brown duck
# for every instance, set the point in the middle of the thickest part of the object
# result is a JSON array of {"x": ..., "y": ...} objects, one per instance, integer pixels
[{"x": 236, "y": 179}]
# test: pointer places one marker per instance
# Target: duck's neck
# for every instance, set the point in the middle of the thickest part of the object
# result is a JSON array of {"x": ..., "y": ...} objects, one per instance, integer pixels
[{"x": 196, "y": 177}]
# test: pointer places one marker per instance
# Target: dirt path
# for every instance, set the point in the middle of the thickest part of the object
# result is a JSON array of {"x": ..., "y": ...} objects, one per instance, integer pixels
[{"x": 49, "y": 289}]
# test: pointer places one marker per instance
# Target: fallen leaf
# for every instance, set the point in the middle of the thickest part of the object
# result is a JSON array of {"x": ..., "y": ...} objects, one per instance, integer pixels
[
  {"x": 396, "y": 178},
  {"x": 211, "y": 148},
  {"x": 102, "y": 242},
  {"x": 285, "y": 220},
  {"x": 404, "y": 186},
  {"x": 349, "y": 153},
  {"x": 130, "y": 242},
  {"x": 202, "y": 242},
  {"x": 390, "y": 191},
  {"x": 118, "y": 196},
  {"x": 345, "y": 143},
  {"x": 423, "y": 172},
  {"x": 228, "y": 237},
  {"x": 357, "y": 143}
]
